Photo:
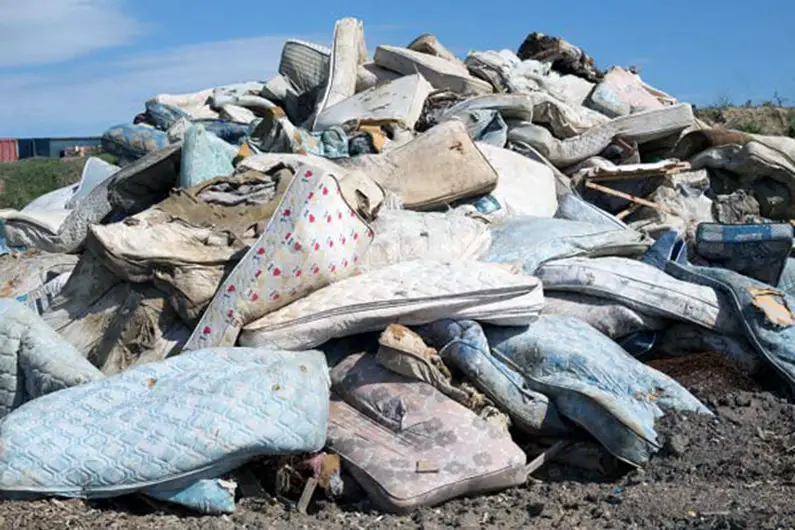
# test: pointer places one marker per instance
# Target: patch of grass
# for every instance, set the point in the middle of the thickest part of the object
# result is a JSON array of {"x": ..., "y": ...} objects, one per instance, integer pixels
[
  {"x": 750, "y": 128},
  {"x": 24, "y": 180},
  {"x": 723, "y": 102},
  {"x": 109, "y": 158}
]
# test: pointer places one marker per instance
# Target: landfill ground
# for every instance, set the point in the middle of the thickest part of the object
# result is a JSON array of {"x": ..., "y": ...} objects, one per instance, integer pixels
[{"x": 732, "y": 471}]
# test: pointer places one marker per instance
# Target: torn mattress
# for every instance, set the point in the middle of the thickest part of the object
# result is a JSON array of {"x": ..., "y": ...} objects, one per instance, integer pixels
[{"x": 592, "y": 382}]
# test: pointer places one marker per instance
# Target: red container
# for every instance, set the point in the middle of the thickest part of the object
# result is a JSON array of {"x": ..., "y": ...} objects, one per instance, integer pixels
[{"x": 8, "y": 150}]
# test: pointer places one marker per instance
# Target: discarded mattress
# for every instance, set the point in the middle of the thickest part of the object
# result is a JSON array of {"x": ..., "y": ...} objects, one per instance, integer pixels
[
  {"x": 41, "y": 298},
  {"x": 409, "y": 293},
  {"x": 787, "y": 281},
  {"x": 305, "y": 64},
  {"x": 164, "y": 116},
  {"x": 370, "y": 75},
  {"x": 404, "y": 235},
  {"x": 411, "y": 446},
  {"x": 485, "y": 126},
  {"x": 278, "y": 88},
  {"x": 83, "y": 314},
  {"x": 185, "y": 261},
  {"x": 574, "y": 208},
  {"x": 686, "y": 197},
  {"x": 34, "y": 360},
  {"x": 590, "y": 379},
  {"x": 129, "y": 190},
  {"x": 620, "y": 93},
  {"x": 497, "y": 68},
  {"x": 51, "y": 204},
  {"x": 28, "y": 271},
  {"x": 750, "y": 162},
  {"x": 609, "y": 317},
  {"x": 641, "y": 287},
  {"x": 87, "y": 284},
  {"x": 441, "y": 73},
  {"x": 360, "y": 191},
  {"x": 640, "y": 127},
  {"x": 428, "y": 43},
  {"x": 188, "y": 103},
  {"x": 763, "y": 314},
  {"x": 235, "y": 204},
  {"x": 129, "y": 432},
  {"x": 684, "y": 339},
  {"x": 51, "y": 209},
  {"x": 398, "y": 101},
  {"x": 758, "y": 251},
  {"x": 517, "y": 176},
  {"x": 533, "y": 241},
  {"x": 313, "y": 239},
  {"x": 139, "y": 327},
  {"x": 510, "y": 106},
  {"x": 113, "y": 324},
  {"x": 538, "y": 107},
  {"x": 203, "y": 159},
  {"x": 402, "y": 351},
  {"x": 460, "y": 170},
  {"x": 238, "y": 114},
  {"x": 130, "y": 142},
  {"x": 507, "y": 73},
  {"x": 95, "y": 172},
  {"x": 529, "y": 410},
  {"x": 348, "y": 52}
]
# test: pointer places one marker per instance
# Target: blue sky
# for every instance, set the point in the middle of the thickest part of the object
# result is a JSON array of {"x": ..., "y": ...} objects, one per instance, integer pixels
[{"x": 76, "y": 67}]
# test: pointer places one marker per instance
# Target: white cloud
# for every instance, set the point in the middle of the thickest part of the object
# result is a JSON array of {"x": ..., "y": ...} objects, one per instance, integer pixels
[
  {"x": 89, "y": 99},
  {"x": 34, "y": 32}
]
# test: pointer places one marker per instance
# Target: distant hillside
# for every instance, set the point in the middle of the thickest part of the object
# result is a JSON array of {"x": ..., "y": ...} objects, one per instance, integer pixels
[{"x": 764, "y": 119}]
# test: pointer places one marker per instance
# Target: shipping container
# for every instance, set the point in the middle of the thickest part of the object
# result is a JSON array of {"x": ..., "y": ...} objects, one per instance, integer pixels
[
  {"x": 57, "y": 146},
  {"x": 54, "y": 147},
  {"x": 26, "y": 147},
  {"x": 8, "y": 150}
]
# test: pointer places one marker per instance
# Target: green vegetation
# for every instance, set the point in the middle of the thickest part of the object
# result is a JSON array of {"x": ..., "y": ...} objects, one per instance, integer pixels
[
  {"x": 23, "y": 181},
  {"x": 110, "y": 159},
  {"x": 750, "y": 128}
]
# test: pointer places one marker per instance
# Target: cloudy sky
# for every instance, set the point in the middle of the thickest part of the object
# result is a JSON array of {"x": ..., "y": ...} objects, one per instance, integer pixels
[{"x": 76, "y": 67}]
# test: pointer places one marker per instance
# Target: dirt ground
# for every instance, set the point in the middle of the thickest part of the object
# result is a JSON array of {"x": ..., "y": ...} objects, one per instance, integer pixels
[{"x": 735, "y": 470}]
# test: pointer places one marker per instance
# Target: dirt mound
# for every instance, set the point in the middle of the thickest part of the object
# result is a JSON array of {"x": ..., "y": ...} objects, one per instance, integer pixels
[{"x": 756, "y": 120}]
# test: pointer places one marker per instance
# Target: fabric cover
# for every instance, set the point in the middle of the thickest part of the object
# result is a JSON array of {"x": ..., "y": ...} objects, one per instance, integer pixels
[
  {"x": 411, "y": 446},
  {"x": 409, "y": 293},
  {"x": 313, "y": 239}
]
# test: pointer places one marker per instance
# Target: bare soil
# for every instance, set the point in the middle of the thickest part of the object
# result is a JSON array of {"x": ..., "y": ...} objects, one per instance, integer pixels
[{"x": 734, "y": 470}]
